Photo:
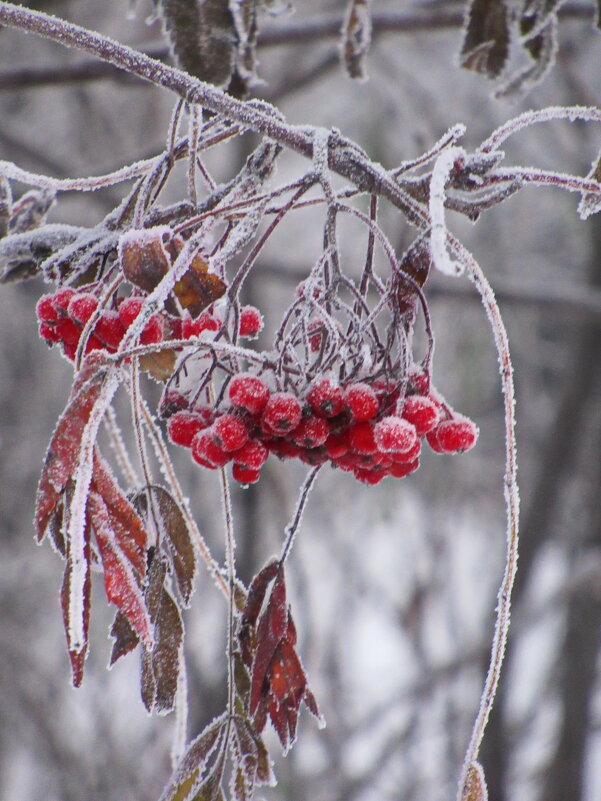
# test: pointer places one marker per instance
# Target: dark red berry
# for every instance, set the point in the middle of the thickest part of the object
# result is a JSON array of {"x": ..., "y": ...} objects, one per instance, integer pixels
[
  {"x": 310, "y": 432},
  {"x": 229, "y": 432},
  {"x": 82, "y": 306},
  {"x": 252, "y": 455},
  {"x": 248, "y": 392},
  {"x": 129, "y": 309},
  {"x": 394, "y": 434},
  {"x": 109, "y": 329},
  {"x": 282, "y": 412},
  {"x": 325, "y": 398},
  {"x": 183, "y": 427},
  {"x": 337, "y": 445},
  {"x": 251, "y": 321},
  {"x": 68, "y": 331},
  {"x": 361, "y": 438},
  {"x": 45, "y": 311},
  {"x": 62, "y": 298},
  {"x": 153, "y": 331},
  {"x": 402, "y": 469},
  {"x": 244, "y": 474},
  {"x": 205, "y": 449},
  {"x": 422, "y": 411},
  {"x": 48, "y": 332},
  {"x": 456, "y": 435},
  {"x": 361, "y": 400}
]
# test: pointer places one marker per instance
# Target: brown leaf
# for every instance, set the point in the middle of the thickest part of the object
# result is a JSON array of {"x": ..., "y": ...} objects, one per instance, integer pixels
[
  {"x": 474, "y": 788},
  {"x": 195, "y": 764},
  {"x": 125, "y": 637},
  {"x": 160, "y": 365},
  {"x": 173, "y": 531},
  {"x": 62, "y": 456},
  {"x": 486, "y": 44},
  {"x": 356, "y": 38},
  {"x": 197, "y": 288}
]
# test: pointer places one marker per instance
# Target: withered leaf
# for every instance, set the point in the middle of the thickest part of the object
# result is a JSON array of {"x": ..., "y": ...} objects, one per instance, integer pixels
[
  {"x": 474, "y": 788},
  {"x": 160, "y": 365},
  {"x": 173, "y": 531},
  {"x": 63, "y": 452},
  {"x": 542, "y": 49},
  {"x": 77, "y": 656},
  {"x": 122, "y": 582},
  {"x": 486, "y": 44},
  {"x": 197, "y": 288},
  {"x": 144, "y": 258},
  {"x": 356, "y": 38},
  {"x": 161, "y": 664},
  {"x": 125, "y": 637},
  {"x": 196, "y": 763},
  {"x": 414, "y": 270}
]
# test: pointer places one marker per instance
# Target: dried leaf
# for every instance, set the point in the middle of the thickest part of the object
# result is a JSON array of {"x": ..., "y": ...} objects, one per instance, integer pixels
[
  {"x": 194, "y": 766},
  {"x": 77, "y": 656},
  {"x": 160, "y": 365},
  {"x": 63, "y": 452},
  {"x": 486, "y": 44},
  {"x": 197, "y": 288},
  {"x": 161, "y": 665},
  {"x": 542, "y": 48},
  {"x": 125, "y": 637},
  {"x": 122, "y": 582},
  {"x": 356, "y": 38},
  {"x": 414, "y": 269},
  {"x": 271, "y": 629},
  {"x": 30, "y": 210},
  {"x": 144, "y": 258},
  {"x": 474, "y": 788},
  {"x": 202, "y": 37},
  {"x": 172, "y": 530}
]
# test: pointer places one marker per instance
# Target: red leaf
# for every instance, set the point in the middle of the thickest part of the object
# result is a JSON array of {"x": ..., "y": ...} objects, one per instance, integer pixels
[
  {"x": 273, "y": 625},
  {"x": 63, "y": 452},
  {"x": 77, "y": 656},
  {"x": 121, "y": 581},
  {"x": 126, "y": 523}
]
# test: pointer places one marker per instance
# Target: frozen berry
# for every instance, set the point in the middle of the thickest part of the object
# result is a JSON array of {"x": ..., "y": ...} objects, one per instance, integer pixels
[
  {"x": 325, "y": 398},
  {"x": 93, "y": 343},
  {"x": 70, "y": 349},
  {"x": 362, "y": 439},
  {"x": 183, "y": 427},
  {"x": 153, "y": 331},
  {"x": 394, "y": 434},
  {"x": 282, "y": 412},
  {"x": 406, "y": 456},
  {"x": 251, "y": 321},
  {"x": 248, "y": 392},
  {"x": 422, "y": 412},
  {"x": 45, "y": 310},
  {"x": 402, "y": 469},
  {"x": 229, "y": 432},
  {"x": 361, "y": 401},
  {"x": 337, "y": 445},
  {"x": 419, "y": 380},
  {"x": 245, "y": 475},
  {"x": 109, "y": 329},
  {"x": 171, "y": 403},
  {"x": 313, "y": 456},
  {"x": 456, "y": 435},
  {"x": 129, "y": 309},
  {"x": 62, "y": 298},
  {"x": 310, "y": 432},
  {"x": 205, "y": 449},
  {"x": 82, "y": 306},
  {"x": 252, "y": 455},
  {"x": 48, "y": 332},
  {"x": 68, "y": 331},
  {"x": 370, "y": 477}
]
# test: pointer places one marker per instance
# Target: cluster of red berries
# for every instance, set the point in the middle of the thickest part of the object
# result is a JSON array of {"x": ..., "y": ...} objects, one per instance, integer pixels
[
  {"x": 359, "y": 428},
  {"x": 63, "y": 314}
]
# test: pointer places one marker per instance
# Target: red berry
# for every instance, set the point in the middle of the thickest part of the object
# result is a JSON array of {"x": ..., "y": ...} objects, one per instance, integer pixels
[
  {"x": 229, "y": 432},
  {"x": 45, "y": 310},
  {"x": 174, "y": 328},
  {"x": 313, "y": 456},
  {"x": 82, "y": 306},
  {"x": 282, "y": 412},
  {"x": 69, "y": 349},
  {"x": 245, "y": 475},
  {"x": 407, "y": 456},
  {"x": 325, "y": 398},
  {"x": 422, "y": 412},
  {"x": 62, "y": 298},
  {"x": 310, "y": 432},
  {"x": 68, "y": 331},
  {"x": 283, "y": 448},
  {"x": 251, "y": 321},
  {"x": 369, "y": 476},
  {"x": 456, "y": 435},
  {"x": 183, "y": 427},
  {"x": 252, "y": 455},
  {"x": 153, "y": 331},
  {"x": 109, "y": 329},
  {"x": 248, "y": 392},
  {"x": 93, "y": 343},
  {"x": 337, "y": 445},
  {"x": 315, "y": 331},
  {"x": 205, "y": 449},
  {"x": 48, "y": 332},
  {"x": 361, "y": 401},
  {"x": 400, "y": 470},
  {"x": 129, "y": 309},
  {"x": 394, "y": 434},
  {"x": 171, "y": 403},
  {"x": 419, "y": 380},
  {"x": 361, "y": 438}
]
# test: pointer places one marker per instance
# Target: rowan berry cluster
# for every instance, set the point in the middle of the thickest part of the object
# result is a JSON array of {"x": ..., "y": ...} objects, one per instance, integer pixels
[
  {"x": 369, "y": 430},
  {"x": 63, "y": 314}
]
